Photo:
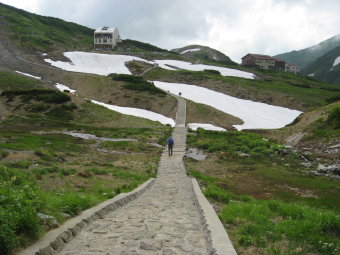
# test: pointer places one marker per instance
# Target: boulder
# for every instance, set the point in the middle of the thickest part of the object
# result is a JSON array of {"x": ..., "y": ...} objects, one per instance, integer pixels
[
  {"x": 306, "y": 164},
  {"x": 49, "y": 222}
]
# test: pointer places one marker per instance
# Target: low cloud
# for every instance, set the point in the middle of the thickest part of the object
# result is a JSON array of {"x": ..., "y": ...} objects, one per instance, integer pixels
[{"x": 233, "y": 27}]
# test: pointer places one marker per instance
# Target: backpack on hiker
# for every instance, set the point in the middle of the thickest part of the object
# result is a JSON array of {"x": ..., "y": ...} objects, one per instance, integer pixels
[{"x": 170, "y": 142}]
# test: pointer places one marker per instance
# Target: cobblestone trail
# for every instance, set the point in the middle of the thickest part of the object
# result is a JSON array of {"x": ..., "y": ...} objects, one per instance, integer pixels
[{"x": 162, "y": 221}]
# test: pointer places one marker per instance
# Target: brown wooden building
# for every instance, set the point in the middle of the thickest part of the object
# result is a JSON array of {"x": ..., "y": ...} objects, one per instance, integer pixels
[{"x": 264, "y": 62}]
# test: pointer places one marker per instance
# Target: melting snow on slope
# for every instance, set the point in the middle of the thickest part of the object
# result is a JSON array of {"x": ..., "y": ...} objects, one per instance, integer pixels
[
  {"x": 95, "y": 63},
  {"x": 336, "y": 61},
  {"x": 197, "y": 49},
  {"x": 254, "y": 114},
  {"x": 104, "y": 64},
  {"x": 200, "y": 67},
  {"x": 138, "y": 113},
  {"x": 29, "y": 75},
  {"x": 194, "y": 126},
  {"x": 62, "y": 87}
]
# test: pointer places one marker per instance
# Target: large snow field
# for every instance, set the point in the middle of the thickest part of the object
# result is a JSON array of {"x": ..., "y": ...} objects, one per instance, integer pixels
[
  {"x": 138, "y": 113},
  {"x": 95, "y": 63},
  {"x": 104, "y": 64},
  {"x": 255, "y": 115},
  {"x": 200, "y": 67},
  {"x": 194, "y": 126}
]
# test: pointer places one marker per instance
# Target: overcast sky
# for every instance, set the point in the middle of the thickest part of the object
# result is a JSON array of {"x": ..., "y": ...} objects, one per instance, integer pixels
[{"x": 234, "y": 27}]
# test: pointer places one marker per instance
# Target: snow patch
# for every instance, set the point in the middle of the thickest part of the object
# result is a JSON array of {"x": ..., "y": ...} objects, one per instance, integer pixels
[
  {"x": 138, "y": 113},
  {"x": 105, "y": 64},
  {"x": 255, "y": 115},
  {"x": 62, "y": 87},
  {"x": 200, "y": 67},
  {"x": 95, "y": 63},
  {"x": 336, "y": 61},
  {"x": 190, "y": 50},
  {"x": 194, "y": 126},
  {"x": 29, "y": 75}
]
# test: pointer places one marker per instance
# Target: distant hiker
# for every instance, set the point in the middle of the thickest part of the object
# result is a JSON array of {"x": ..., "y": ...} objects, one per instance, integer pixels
[
  {"x": 180, "y": 93},
  {"x": 170, "y": 143}
]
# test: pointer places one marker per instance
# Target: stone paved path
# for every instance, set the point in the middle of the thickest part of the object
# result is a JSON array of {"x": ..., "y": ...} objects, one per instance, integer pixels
[{"x": 162, "y": 221}]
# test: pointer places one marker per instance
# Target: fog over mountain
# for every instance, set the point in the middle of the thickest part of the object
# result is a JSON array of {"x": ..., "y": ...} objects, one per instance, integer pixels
[{"x": 232, "y": 27}]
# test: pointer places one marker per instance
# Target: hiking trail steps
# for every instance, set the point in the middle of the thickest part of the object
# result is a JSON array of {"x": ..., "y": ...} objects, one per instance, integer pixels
[
  {"x": 163, "y": 220},
  {"x": 168, "y": 216}
]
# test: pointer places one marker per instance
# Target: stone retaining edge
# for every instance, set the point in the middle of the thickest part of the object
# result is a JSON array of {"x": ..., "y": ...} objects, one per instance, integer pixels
[
  {"x": 218, "y": 241},
  {"x": 56, "y": 239}
]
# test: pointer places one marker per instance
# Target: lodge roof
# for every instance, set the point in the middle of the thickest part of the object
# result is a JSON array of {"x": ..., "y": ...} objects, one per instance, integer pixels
[
  {"x": 105, "y": 29},
  {"x": 259, "y": 56}
]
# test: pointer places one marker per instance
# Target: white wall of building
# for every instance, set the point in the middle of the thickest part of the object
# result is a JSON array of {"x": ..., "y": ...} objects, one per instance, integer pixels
[{"x": 106, "y": 37}]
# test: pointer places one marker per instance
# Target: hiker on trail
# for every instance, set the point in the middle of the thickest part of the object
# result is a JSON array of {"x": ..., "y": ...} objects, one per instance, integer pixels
[{"x": 170, "y": 143}]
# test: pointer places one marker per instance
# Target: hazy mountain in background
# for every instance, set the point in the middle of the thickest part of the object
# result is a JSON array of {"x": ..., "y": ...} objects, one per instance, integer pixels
[
  {"x": 326, "y": 68},
  {"x": 200, "y": 52},
  {"x": 306, "y": 56}
]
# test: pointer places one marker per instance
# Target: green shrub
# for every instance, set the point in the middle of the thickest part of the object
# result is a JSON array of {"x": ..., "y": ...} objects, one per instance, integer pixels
[
  {"x": 260, "y": 223},
  {"x": 145, "y": 46},
  {"x": 44, "y": 95},
  {"x": 334, "y": 117},
  {"x": 19, "y": 201},
  {"x": 216, "y": 193},
  {"x": 137, "y": 83},
  {"x": 333, "y": 99},
  {"x": 71, "y": 202},
  {"x": 3, "y": 154},
  {"x": 97, "y": 171},
  {"x": 39, "y": 108},
  {"x": 212, "y": 71},
  {"x": 233, "y": 142},
  {"x": 62, "y": 112}
]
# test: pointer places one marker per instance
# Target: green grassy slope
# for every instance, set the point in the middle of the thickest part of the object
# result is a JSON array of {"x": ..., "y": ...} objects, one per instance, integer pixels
[
  {"x": 39, "y": 33},
  {"x": 136, "y": 45},
  {"x": 264, "y": 198},
  {"x": 323, "y": 68},
  {"x": 205, "y": 54},
  {"x": 306, "y": 56},
  {"x": 45, "y": 171}
]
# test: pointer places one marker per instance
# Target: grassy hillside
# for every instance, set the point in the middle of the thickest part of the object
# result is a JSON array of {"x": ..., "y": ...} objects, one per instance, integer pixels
[
  {"x": 322, "y": 68},
  {"x": 44, "y": 34},
  {"x": 134, "y": 45},
  {"x": 316, "y": 128},
  {"x": 263, "y": 196},
  {"x": 205, "y": 54},
  {"x": 62, "y": 175},
  {"x": 307, "y": 56}
]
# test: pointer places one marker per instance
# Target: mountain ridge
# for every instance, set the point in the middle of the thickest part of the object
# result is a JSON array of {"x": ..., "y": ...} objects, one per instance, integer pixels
[
  {"x": 325, "y": 68},
  {"x": 307, "y": 55},
  {"x": 205, "y": 53}
]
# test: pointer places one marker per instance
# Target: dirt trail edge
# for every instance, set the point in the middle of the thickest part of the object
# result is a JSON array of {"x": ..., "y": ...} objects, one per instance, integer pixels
[{"x": 168, "y": 218}]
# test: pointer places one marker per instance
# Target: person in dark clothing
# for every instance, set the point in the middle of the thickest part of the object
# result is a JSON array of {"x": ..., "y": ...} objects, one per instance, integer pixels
[{"x": 170, "y": 143}]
